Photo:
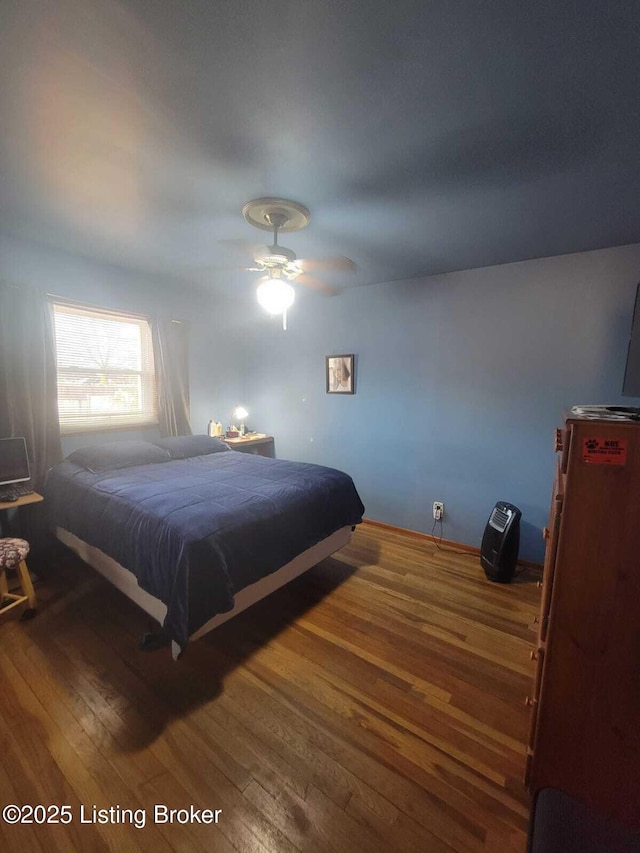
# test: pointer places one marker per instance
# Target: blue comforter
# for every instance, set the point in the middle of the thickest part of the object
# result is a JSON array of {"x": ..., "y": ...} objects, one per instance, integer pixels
[{"x": 196, "y": 531}]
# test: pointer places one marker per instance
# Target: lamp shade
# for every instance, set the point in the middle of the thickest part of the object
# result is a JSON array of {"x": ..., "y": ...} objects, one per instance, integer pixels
[
  {"x": 275, "y": 295},
  {"x": 240, "y": 413}
]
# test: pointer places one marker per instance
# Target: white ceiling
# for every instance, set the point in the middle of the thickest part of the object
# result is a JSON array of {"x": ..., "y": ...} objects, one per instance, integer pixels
[{"x": 423, "y": 136}]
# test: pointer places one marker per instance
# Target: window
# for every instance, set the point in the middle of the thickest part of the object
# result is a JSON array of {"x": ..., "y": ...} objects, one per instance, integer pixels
[{"x": 105, "y": 369}]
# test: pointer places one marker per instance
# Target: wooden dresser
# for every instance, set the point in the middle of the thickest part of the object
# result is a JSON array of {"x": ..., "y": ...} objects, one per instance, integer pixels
[{"x": 585, "y": 702}]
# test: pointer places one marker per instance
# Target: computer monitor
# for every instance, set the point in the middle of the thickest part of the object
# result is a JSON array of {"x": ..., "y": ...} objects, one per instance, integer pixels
[{"x": 14, "y": 462}]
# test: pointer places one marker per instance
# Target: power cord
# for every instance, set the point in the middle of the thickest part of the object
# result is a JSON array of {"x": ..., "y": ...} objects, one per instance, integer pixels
[
  {"x": 433, "y": 529},
  {"x": 437, "y": 542}
]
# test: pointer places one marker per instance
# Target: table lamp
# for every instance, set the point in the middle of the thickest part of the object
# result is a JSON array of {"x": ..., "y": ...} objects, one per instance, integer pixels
[{"x": 240, "y": 414}]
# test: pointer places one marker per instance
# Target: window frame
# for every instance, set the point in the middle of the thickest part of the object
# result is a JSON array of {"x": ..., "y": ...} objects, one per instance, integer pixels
[{"x": 147, "y": 416}]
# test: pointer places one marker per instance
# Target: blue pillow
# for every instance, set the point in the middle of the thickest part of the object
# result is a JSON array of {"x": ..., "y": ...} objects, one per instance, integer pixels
[
  {"x": 118, "y": 454},
  {"x": 184, "y": 446}
]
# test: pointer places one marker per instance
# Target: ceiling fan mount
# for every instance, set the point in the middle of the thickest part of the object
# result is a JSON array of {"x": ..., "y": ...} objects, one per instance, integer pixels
[{"x": 276, "y": 213}]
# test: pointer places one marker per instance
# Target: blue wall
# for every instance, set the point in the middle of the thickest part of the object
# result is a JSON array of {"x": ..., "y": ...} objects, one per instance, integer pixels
[
  {"x": 460, "y": 378},
  {"x": 460, "y": 382}
]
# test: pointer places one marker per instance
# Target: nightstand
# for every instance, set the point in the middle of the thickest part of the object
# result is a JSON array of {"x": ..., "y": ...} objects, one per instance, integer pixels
[{"x": 257, "y": 443}]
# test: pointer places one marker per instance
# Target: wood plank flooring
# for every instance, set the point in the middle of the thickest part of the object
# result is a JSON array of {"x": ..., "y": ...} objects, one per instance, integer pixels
[{"x": 377, "y": 704}]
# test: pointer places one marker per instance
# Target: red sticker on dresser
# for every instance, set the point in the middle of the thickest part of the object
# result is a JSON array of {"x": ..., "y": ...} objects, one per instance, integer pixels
[{"x": 605, "y": 451}]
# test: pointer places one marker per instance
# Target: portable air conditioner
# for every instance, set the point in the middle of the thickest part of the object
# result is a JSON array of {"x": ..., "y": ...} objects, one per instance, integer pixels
[{"x": 500, "y": 543}]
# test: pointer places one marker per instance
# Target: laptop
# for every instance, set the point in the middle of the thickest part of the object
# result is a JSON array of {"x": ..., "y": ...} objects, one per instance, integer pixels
[{"x": 15, "y": 475}]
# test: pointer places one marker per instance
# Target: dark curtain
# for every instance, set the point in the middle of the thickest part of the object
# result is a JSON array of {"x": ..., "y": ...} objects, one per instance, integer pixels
[
  {"x": 29, "y": 408},
  {"x": 28, "y": 380},
  {"x": 171, "y": 359}
]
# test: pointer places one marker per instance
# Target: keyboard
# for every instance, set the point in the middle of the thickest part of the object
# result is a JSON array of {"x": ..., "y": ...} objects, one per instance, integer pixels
[{"x": 8, "y": 494}]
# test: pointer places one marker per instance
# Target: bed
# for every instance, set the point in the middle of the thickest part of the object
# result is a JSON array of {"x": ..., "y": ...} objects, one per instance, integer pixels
[{"x": 193, "y": 531}]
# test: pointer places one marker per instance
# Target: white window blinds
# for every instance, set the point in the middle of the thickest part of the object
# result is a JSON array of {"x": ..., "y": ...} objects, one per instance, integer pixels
[{"x": 105, "y": 369}]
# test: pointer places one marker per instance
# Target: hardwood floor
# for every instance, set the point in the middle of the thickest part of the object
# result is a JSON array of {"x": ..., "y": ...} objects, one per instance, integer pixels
[{"x": 376, "y": 703}]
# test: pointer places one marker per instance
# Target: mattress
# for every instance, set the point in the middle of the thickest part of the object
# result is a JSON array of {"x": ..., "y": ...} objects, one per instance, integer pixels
[{"x": 196, "y": 531}]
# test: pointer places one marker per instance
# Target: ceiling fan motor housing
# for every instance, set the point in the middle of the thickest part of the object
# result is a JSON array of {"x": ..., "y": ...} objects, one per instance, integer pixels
[
  {"x": 279, "y": 254},
  {"x": 279, "y": 262}
]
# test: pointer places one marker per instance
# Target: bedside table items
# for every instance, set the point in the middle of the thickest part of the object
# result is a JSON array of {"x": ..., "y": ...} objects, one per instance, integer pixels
[
  {"x": 215, "y": 430},
  {"x": 232, "y": 431},
  {"x": 241, "y": 413}
]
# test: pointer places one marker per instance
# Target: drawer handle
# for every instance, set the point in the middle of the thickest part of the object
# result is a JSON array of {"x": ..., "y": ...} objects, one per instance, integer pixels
[
  {"x": 536, "y": 620},
  {"x": 533, "y": 655},
  {"x": 529, "y": 702},
  {"x": 545, "y": 533},
  {"x": 539, "y": 584}
]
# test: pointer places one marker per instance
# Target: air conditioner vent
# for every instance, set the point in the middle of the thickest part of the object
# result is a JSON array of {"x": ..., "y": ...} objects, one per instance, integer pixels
[{"x": 499, "y": 519}]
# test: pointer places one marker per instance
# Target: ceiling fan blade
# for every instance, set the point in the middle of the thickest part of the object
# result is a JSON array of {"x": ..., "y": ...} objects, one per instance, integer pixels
[
  {"x": 338, "y": 263},
  {"x": 316, "y": 284}
]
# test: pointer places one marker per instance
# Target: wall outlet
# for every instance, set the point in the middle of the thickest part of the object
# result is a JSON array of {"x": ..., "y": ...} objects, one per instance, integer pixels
[{"x": 438, "y": 510}]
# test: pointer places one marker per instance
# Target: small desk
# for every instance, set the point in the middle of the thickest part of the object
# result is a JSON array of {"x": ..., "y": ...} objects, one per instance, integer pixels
[
  {"x": 260, "y": 444},
  {"x": 33, "y": 498}
]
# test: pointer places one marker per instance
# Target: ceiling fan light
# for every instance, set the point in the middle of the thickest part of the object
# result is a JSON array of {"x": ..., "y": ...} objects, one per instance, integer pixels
[{"x": 275, "y": 295}]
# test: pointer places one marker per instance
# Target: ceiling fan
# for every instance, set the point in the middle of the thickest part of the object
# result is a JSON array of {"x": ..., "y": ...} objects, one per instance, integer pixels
[{"x": 281, "y": 265}]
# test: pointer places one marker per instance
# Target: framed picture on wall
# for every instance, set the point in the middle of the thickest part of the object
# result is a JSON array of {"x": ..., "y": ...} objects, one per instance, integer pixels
[{"x": 340, "y": 374}]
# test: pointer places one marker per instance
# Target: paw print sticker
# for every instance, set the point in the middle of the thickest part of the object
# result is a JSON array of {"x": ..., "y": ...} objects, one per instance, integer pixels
[{"x": 604, "y": 450}]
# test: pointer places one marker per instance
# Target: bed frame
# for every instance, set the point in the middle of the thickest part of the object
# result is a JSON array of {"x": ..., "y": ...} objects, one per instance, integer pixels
[{"x": 126, "y": 581}]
